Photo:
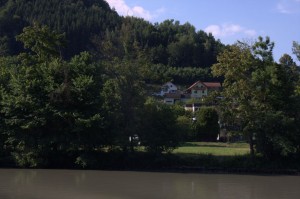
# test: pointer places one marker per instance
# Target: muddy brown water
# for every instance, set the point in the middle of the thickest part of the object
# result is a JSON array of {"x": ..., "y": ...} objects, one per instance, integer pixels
[{"x": 79, "y": 184}]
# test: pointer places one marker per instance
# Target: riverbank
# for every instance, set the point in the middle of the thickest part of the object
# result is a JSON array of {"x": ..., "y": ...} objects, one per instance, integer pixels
[
  {"x": 191, "y": 157},
  {"x": 141, "y": 161}
]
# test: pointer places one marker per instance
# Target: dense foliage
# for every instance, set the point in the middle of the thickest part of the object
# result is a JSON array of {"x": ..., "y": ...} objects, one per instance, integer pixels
[
  {"x": 206, "y": 124},
  {"x": 260, "y": 97},
  {"x": 168, "y": 43},
  {"x": 182, "y": 76},
  {"x": 51, "y": 107},
  {"x": 78, "y": 19}
]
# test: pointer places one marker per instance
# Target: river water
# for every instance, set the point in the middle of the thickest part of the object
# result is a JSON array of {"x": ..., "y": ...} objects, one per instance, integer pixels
[{"x": 74, "y": 184}]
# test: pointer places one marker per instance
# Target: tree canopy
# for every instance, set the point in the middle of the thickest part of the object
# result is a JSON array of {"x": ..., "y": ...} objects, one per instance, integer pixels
[{"x": 259, "y": 96}]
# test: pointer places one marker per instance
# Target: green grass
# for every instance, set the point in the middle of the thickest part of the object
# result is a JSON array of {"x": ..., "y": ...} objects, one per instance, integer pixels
[{"x": 212, "y": 148}]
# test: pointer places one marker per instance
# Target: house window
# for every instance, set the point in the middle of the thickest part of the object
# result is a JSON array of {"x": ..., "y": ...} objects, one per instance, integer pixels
[{"x": 195, "y": 92}]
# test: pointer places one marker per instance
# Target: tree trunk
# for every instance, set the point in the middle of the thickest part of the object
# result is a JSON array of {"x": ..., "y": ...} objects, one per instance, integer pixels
[{"x": 251, "y": 145}]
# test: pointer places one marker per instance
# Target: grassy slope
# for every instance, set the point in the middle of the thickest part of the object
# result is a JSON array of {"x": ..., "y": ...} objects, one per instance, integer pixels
[{"x": 213, "y": 148}]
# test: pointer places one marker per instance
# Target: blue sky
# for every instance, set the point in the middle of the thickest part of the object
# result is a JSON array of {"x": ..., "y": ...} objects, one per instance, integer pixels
[{"x": 228, "y": 20}]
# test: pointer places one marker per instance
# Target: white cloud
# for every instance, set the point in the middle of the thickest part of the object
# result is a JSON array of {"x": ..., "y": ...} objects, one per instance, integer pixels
[
  {"x": 288, "y": 6},
  {"x": 141, "y": 12},
  {"x": 250, "y": 33},
  {"x": 226, "y": 30},
  {"x": 123, "y": 9}
]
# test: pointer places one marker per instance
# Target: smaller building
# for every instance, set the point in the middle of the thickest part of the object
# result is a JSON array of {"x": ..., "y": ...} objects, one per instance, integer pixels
[
  {"x": 167, "y": 88},
  {"x": 178, "y": 96},
  {"x": 192, "y": 107},
  {"x": 172, "y": 98}
]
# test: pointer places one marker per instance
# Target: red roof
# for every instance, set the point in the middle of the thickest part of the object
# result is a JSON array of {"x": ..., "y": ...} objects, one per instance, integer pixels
[
  {"x": 212, "y": 84},
  {"x": 194, "y": 85},
  {"x": 206, "y": 84}
]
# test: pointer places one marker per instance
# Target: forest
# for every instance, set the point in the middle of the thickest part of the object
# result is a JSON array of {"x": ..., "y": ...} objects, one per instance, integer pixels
[{"x": 75, "y": 79}]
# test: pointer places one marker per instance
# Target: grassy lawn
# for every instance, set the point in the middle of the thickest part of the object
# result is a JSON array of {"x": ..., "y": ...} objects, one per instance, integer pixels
[{"x": 213, "y": 148}]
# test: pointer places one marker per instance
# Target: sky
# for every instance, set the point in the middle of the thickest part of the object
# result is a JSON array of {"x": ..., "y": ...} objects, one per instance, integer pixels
[{"x": 227, "y": 20}]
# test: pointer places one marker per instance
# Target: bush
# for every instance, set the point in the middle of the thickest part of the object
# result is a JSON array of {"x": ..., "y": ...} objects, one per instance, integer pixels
[
  {"x": 184, "y": 123},
  {"x": 206, "y": 125},
  {"x": 160, "y": 132}
]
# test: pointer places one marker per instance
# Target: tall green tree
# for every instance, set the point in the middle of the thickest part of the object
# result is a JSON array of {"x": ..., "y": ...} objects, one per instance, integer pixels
[
  {"x": 44, "y": 43},
  {"x": 50, "y": 106},
  {"x": 236, "y": 65},
  {"x": 123, "y": 98},
  {"x": 259, "y": 96},
  {"x": 160, "y": 131},
  {"x": 296, "y": 49}
]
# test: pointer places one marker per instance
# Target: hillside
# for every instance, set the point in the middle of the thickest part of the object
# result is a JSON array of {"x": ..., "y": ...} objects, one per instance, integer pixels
[
  {"x": 91, "y": 25},
  {"x": 79, "y": 19}
]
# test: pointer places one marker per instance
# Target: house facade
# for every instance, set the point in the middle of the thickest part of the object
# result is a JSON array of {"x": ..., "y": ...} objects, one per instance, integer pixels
[
  {"x": 168, "y": 87},
  {"x": 201, "y": 89},
  {"x": 198, "y": 90}
]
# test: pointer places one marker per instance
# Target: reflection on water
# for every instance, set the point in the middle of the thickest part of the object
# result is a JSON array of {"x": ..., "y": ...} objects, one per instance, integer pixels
[{"x": 70, "y": 184}]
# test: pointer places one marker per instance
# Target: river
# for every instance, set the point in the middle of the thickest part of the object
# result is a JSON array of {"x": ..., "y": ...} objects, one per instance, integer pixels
[{"x": 80, "y": 184}]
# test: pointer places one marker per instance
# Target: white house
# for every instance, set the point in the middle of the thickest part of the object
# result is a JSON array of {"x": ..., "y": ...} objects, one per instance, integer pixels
[
  {"x": 201, "y": 89},
  {"x": 168, "y": 87}
]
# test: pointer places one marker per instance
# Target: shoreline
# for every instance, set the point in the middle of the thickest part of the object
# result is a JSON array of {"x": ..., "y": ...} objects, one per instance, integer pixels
[
  {"x": 173, "y": 163},
  {"x": 198, "y": 170},
  {"x": 183, "y": 169}
]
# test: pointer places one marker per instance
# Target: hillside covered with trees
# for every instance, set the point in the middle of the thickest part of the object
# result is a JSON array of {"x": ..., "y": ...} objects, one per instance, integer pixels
[
  {"x": 79, "y": 20},
  {"x": 91, "y": 25}
]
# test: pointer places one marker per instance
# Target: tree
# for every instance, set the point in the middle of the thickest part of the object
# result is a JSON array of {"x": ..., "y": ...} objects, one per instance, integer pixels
[
  {"x": 44, "y": 43},
  {"x": 263, "y": 49},
  {"x": 159, "y": 130},
  {"x": 123, "y": 98},
  {"x": 185, "y": 126},
  {"x": 296, "y": 49},
  {"x": 50, "y": 106},
  {"x": 277, "y": 133},
  {"x": 258, "y": 96},
  {"x": 287, "y": 60},
  {"x": 236, "y": 65},
  {"x": 4, "y": 46},
  {"x": 206, "y": 124}
]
